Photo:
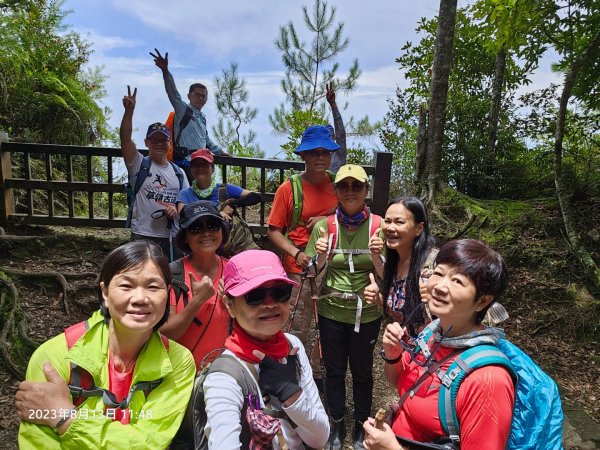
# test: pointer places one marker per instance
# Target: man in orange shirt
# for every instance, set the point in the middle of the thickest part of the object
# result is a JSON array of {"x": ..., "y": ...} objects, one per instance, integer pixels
[{"x": 318, "y": 201}]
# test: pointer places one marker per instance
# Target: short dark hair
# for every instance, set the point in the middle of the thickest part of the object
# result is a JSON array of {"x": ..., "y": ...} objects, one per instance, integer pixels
[
  {"x": 196, "y": 86},
  {"x": 127, "y": 257},
  {"x": 482, "y": 265}
]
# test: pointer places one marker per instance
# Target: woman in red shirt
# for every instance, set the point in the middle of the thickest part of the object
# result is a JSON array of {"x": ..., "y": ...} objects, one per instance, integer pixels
[
  {"x": 468, "y": 277},
  {"x": 198, "y": 319}
]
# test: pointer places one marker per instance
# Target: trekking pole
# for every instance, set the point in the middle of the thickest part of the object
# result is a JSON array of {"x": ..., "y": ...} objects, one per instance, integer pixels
[
  {"x": 169, "y": 227},
  {"x": 314, "y": 296},
  {"x": 303, "y": 276}
]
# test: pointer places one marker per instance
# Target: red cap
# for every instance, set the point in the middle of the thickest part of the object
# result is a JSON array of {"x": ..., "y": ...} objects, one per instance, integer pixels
[{"x": 203, "y": 153}]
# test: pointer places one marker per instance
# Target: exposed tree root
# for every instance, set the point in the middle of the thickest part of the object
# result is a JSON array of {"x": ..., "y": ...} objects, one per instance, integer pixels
[
  {"x": 15, "y": 238},
  {"x": 465, "y": 228},
  {"x": 11, "y": 352},
  {"x": 58, "y": 277}
]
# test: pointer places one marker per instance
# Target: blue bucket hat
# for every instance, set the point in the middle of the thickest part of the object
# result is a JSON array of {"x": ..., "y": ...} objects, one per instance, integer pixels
[{"x": 317, "y": 136}]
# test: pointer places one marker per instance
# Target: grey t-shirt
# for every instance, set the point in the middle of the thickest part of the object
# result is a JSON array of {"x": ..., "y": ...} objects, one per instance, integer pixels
[{"x": 161, "y": 186}]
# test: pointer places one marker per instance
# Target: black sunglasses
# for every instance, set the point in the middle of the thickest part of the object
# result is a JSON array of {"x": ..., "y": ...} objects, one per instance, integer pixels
[
  {"x": 355, "y": 186},
  {"x": 202, "y": 225},
  {"x": 281, "y": 293}
]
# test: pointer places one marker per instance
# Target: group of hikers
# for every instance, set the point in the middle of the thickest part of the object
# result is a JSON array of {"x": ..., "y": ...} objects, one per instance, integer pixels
[{"x": 276, "y": 333}]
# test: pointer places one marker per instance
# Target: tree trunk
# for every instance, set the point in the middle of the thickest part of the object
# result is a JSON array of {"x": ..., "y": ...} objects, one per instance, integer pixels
[
  {"x": 579, "y": 250},
  {"x": 421, "y": 155},
  {"x": 497, "y": 84},
  {"x": 440, "y": 73}
]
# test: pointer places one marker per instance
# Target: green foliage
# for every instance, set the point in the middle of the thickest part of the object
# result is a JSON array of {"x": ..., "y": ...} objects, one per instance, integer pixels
[
  {"x": 463, "y": 156},
  {"x": 308, "y": 70},
  {"x": 49, "y": 95},
  {"x": 231, "y": 99}
]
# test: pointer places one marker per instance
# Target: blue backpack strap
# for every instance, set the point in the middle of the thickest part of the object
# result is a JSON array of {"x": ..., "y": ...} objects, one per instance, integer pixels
[
  {"x": 469, "y": 360},
  {"x": 179, "y": 174},
  {"x": 142, "y": 174}
]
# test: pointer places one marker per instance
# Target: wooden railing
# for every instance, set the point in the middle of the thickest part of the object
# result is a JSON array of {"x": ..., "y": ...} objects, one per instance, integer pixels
[{"x": 98, "y": 177}]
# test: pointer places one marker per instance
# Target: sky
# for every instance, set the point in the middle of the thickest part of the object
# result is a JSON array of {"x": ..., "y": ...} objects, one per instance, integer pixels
[{"x": 203, "y": 38}]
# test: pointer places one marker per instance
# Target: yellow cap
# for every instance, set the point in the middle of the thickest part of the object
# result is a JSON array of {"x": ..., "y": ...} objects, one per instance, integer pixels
[{"x": 351, "y": 171}]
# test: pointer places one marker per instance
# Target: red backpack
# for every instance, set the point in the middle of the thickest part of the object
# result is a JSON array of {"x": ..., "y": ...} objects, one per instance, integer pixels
[
  {"x": 81, "y": 382},
  {"x": 332, "y": 231}
]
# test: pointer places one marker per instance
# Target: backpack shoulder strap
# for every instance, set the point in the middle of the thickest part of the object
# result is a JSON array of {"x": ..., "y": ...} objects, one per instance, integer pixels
[
  {"x": 331, "y": 175},
  {"x": 79, "y": 379},
  {"x": 185, "y": 120},
  {"x": 74, "y": 332},
  {"x": 180, "y": 289},
  {"x": 142, "y": 174},
  {"x": 469, "y": 360},
  {"x": 179, "y": 174},
  {"x": 297, "y": 200},
  {"x": 332, "y": 232}
]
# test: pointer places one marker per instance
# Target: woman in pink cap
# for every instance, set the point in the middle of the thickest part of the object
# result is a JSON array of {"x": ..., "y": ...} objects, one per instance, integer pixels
[{"x": 275, "y": 366}]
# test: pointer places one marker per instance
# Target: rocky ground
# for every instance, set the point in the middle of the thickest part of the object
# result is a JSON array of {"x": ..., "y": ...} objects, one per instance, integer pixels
[{"x": 539, "y": 329}]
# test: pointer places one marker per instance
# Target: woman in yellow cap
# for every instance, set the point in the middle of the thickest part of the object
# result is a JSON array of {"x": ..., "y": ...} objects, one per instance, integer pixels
[{"x": 348, "y": 326}]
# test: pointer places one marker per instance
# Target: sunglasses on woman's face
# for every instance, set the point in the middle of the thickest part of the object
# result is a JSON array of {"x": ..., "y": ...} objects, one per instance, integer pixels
[
  {"x": 280, "y": 293},
  {"x": 355, "y": 186},
  {"x": 202, "y": 225}
]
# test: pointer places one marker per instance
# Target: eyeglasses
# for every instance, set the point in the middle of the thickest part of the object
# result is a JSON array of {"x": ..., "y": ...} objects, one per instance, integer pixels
[
  {"x": 355, "y": 186},
  {"x": 281, "y": 293},
  {"x": 202, "y": 225},
  {"x": 199, "y": 94}
]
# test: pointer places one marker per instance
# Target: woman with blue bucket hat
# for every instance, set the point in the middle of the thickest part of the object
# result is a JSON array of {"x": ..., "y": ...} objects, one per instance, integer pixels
[{"x": 299, "y": 203}]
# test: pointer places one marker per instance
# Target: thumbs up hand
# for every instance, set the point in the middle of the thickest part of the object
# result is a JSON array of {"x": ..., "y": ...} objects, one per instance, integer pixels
[
  {"x": 43, "y": 402},
  {"x": 201, "y": 290},
  {"x": 376, "y": 243},
  {"x": 371, "y": 292},
  {"x": 322, "y": 243}
]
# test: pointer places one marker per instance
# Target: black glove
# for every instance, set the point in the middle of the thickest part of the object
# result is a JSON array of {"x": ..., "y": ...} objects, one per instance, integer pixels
[{"x": 279, "y": 379}]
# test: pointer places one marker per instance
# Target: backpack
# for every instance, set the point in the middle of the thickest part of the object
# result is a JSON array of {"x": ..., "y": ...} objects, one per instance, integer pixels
[
  {"x": 537, "y": 415},
  {"x": 241, "y": 236},
  {"x": 81, "y": 383},
  {"x": 142, "y": 174},
  {"x": 332, "y": 232},
  {"x": 191, "y": 431},
  {"x": 298, "y": 200},
  {"x": 172, "y": 155}
]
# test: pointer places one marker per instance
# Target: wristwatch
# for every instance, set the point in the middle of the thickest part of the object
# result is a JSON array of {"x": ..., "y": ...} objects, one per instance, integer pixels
[{"x": 390, "y": 361}]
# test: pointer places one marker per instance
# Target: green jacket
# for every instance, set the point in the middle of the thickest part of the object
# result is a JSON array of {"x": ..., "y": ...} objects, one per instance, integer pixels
[{"x": 154, "y": 420}]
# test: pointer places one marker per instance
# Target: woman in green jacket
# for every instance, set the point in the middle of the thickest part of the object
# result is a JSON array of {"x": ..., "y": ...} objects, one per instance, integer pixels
[{"x": 139, "y": 382}]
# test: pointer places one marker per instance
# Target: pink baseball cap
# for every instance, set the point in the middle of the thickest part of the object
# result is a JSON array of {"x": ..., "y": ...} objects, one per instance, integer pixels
[
  {"x": 252, "y": 268},
  {"x": 203, "y": 153}
]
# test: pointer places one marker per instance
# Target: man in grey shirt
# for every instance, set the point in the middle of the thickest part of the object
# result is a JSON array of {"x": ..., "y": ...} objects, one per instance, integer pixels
[{"x": 195, "y": 133}]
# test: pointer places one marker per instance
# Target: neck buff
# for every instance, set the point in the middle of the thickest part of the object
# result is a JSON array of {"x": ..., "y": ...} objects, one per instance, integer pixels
[
  {"x": 352, "y": 222},
  {"x": 203, "y": 194},
  {"x": 487, "y": 335},
  {"x": 242, "y": 345}
]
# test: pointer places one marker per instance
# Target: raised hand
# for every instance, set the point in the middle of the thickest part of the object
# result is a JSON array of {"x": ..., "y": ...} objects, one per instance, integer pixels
[
  {"x": 279, "y": 379},
  {"x": 330, "y": 93},
  {"x": 129, "y": 100},
  {"x": 322, "y": 244},
  {"x": 371, "y": 292},
  {"x": 376, "y": 243},
  {"x": 161, "y": 62},
  {"x": 201, "y": 290}
]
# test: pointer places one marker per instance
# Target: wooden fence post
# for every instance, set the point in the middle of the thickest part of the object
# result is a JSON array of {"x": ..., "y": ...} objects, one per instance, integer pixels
[
  {"x": 381, "y": 182},
  {"x": 7, "y": 201}
]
